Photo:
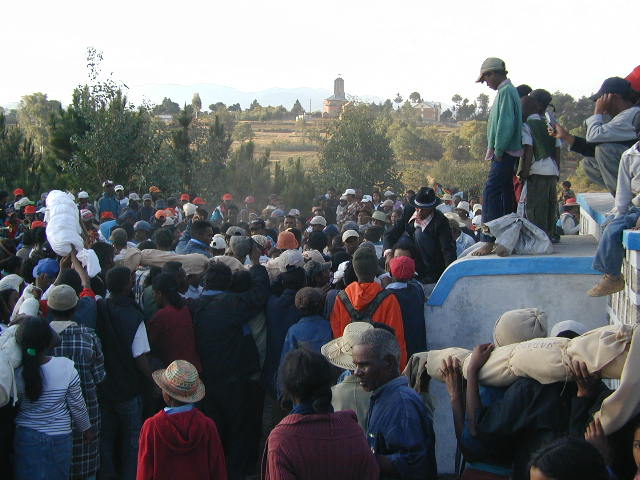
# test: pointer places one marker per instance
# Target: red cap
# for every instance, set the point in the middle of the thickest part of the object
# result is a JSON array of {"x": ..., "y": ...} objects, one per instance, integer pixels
[
  {"x": 634, "y": 79},
  {"x": 227, "y": 196},
  {"x": 30, "y": 209},
  {"x": 105, "y": 215},
  {"x": 154, "y": 189},
  {"x": 18, "y": 191},
  {"x": 198, "y": 201},
  {"x": 185, "y": 197},
  {"x": 250, "y": 199},
  {"x": 37, "y": 224},
  {"x": 402, "y": 268}
]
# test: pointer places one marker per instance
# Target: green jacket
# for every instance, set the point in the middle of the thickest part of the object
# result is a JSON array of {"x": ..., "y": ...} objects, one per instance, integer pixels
[{"x": 504, "y": 129}]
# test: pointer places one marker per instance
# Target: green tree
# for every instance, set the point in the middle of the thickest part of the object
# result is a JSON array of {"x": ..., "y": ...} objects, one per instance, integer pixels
[
  {"x": 243, "y": 131},
  {"x": 245, "y": 174},
  {"x": 19, "y": 162},
  {"x": 254, "y": 105},
  {"x": 411, "y": 144},
  {"x": 34, "y": 117},
  {"x": 196, "y": 103},
  {"x": 297, "y": 109},
  {"x": 482, "y": 107},
  {"x": 415, "y": 97},
  {"x": 357, "y": 152},
  {"x": 167, "y": 107},
  {"x": 214, "y": 155},
  {"x": 182, "y": 147},
  {"x": 235, "y": 108},
  {"x": 299, "y": 189},
  {"x": 218, "y": 106}
]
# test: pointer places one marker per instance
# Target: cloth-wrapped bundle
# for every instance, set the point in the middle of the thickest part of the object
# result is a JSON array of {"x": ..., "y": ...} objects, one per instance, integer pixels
[
  {"x": 605, "y": 350},
  {"x": 64, "y": 231},
  {"x": 193, "y": 263}
]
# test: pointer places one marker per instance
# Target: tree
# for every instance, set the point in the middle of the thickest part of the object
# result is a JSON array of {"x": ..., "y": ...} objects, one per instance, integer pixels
[
  {"x": 243, "y": 131},
  {"x": 100, "y": 135},
  {"x": 214, "y": 155},
  {"x": 357, "y": 152},
  {"x": 415, "y": 97},
  {"x": 196, "y": 103},
  {"x": 298, "y": 187},
  {"x": 411, "y": 144},
  {"x": 245, "y": 174},
  {"x": 215, "y": 107},
  {"x": 182, "y": 147},
  {"x": 398, "y": 100},
  {"x": 297, "y": 109},
  {"x": 254, "y": 105},
  {"x": 167, "y": 107},
  {"x": 19, "y": 162},
  {"x": 235, "y": 108},
  {"x": 482, "y": 107},
  {"x": 34, "y": 116},
  {"x": 446, "y": 116}
]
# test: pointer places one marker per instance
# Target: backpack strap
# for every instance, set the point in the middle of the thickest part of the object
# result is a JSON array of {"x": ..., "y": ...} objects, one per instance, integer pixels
[
  {"x": 351, "y": 310},
  {"x": 375, "y": 303}
]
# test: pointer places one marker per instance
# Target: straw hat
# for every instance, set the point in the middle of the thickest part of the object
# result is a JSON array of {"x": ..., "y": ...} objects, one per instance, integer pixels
[
  {"x": 338, "y": 351},
  {"x": 180, "y": 381}
]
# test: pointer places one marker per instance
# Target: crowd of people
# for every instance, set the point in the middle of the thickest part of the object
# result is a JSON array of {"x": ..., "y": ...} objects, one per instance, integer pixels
[{"x": 236, "y": 338}]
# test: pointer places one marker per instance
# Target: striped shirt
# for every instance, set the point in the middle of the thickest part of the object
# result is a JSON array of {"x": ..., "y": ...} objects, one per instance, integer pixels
[{"x": 60, "y": 401}]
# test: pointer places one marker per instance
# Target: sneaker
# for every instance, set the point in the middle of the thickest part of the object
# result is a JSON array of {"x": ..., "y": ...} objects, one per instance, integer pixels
[{"x": 607, "y": 286}]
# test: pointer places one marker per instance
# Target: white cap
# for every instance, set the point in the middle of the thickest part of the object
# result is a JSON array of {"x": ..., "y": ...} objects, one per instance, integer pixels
[
  {"x": 477, "y": 221},
  {"x": 349, "y": 234},
  {"x": 318, "y": 220},
  {"x": 189, "y": 209},
  {"x": 447, "y": 197},
  {"x": 218, "y": 242},
  {"x": 134, "y": 196},
  {"x": 568, "y": 326},
  {"x": 389, "y": 193},
  {"x": 349, "y": 191},
  {"x": 295, "y": 212},
  {"x": 367, "y": 198},
  {"x": 343, "y": 197},
  {"x": 83, "y": 195},
  {"x": 476, "y": 207},
  {"x": 463, "y": 206},
  {"x": 119, "y": 188}
]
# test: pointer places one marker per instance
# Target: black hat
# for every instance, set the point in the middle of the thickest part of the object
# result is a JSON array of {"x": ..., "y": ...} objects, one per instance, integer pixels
[
  {"x": 541, "y": 96},
  {"x": 426, "y": 198},
  {"x": 613, "y": 85}
]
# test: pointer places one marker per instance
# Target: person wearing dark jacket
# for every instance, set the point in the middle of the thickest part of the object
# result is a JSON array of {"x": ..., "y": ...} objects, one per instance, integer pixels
[
  {"x": 229, "y": 355},
  {"x": 430, "y": 231},
  {"x": 121, "y": 329}
]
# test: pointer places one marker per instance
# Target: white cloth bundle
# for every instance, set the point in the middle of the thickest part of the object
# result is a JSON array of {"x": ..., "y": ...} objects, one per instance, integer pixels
[{"x": 64, "y": 231}]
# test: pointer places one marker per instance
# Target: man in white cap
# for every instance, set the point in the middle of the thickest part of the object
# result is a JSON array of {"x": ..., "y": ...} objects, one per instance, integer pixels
[
  {"x": 462, "y": 209},
  {"x": 504, "y": 138},
  {"x": 447, "y": 203},
  {"x": 350, "y": 212},
  {"x": 124, "y": 201},
  {"x": 318, "y": 223},
  {"x": 83, "y": 202}
]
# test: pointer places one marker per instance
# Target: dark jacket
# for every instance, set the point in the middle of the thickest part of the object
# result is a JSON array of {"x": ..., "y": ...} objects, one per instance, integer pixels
[
  {"x": 411, "y": 300},
  {"x": 227, "y": 350},
  {"x": 117, "y": 323},
  {"x": 281, "y": 314},
  {"x": 436, "y": 247}
]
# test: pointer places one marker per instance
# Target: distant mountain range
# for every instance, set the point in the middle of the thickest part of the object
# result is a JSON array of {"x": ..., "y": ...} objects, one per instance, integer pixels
[{"x": 210, "y": 94}]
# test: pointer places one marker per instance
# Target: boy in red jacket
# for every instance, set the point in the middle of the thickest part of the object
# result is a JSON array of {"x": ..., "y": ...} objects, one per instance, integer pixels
[{"x": 180, "y": 441}]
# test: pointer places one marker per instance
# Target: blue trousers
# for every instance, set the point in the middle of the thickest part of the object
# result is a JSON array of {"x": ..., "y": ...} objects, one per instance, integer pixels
[
  {"x": 120, "y": 431},
  {"x": 39, "y": 456},
  {"x": 498, "y": 198},
  {"x": 610, "y": 251}
]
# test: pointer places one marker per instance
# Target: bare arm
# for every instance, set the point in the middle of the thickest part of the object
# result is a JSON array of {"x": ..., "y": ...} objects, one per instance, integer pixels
[
  {"x": 452, "y": 374},
  {"x": 479, "y": 357}
]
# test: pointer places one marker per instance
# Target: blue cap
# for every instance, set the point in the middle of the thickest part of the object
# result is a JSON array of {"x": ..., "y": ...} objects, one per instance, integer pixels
[
  {"x": 48, "y": 266},
  {"x": 142, "y": 225},
  {"x": 613, "y": 85}
]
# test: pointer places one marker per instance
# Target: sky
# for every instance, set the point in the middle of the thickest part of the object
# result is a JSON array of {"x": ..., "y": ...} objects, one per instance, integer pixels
[{"x": 379, "y": 47}]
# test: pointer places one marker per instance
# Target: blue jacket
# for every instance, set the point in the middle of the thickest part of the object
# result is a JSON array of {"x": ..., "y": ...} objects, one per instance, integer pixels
[
  {"x": 400, "y": 427},
  {"x": 411, "y": 300},
  {"x": 109, "y": 204},
  {"x": 195, "y": 246},
  {"x": 309, "y": 332}
]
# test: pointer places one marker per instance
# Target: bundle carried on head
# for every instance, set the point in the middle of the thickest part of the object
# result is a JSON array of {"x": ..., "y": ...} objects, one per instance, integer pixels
[{"x": 64, "y": 230}]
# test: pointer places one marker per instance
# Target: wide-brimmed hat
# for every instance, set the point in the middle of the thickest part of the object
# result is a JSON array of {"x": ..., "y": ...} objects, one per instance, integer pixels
[
  {"x": 426, "y": 198},
  {"x": 180, "y": 381},
  {"x": 571, "y": 202},
  {"x": 338, "y": 351}
]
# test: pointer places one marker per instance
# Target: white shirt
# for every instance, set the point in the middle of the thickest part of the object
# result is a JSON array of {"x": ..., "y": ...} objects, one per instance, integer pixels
[
  {"x": 544, "y": 166},
  {"x": 628, "y": 187},
  {"x": 140, "y": 344}
]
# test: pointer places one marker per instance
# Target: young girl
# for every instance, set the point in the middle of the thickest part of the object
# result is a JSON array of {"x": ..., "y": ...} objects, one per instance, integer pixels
[{"x": 49, "y": 398}]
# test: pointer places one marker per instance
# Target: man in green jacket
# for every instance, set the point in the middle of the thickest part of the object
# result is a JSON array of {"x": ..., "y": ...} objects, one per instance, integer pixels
[{"x": 504, "y": 138}]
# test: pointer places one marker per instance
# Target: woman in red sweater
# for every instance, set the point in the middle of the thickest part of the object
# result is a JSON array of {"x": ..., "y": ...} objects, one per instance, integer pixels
[
  {"x": 313, "y": 442},
  {"x": 170, "y": 329}
]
